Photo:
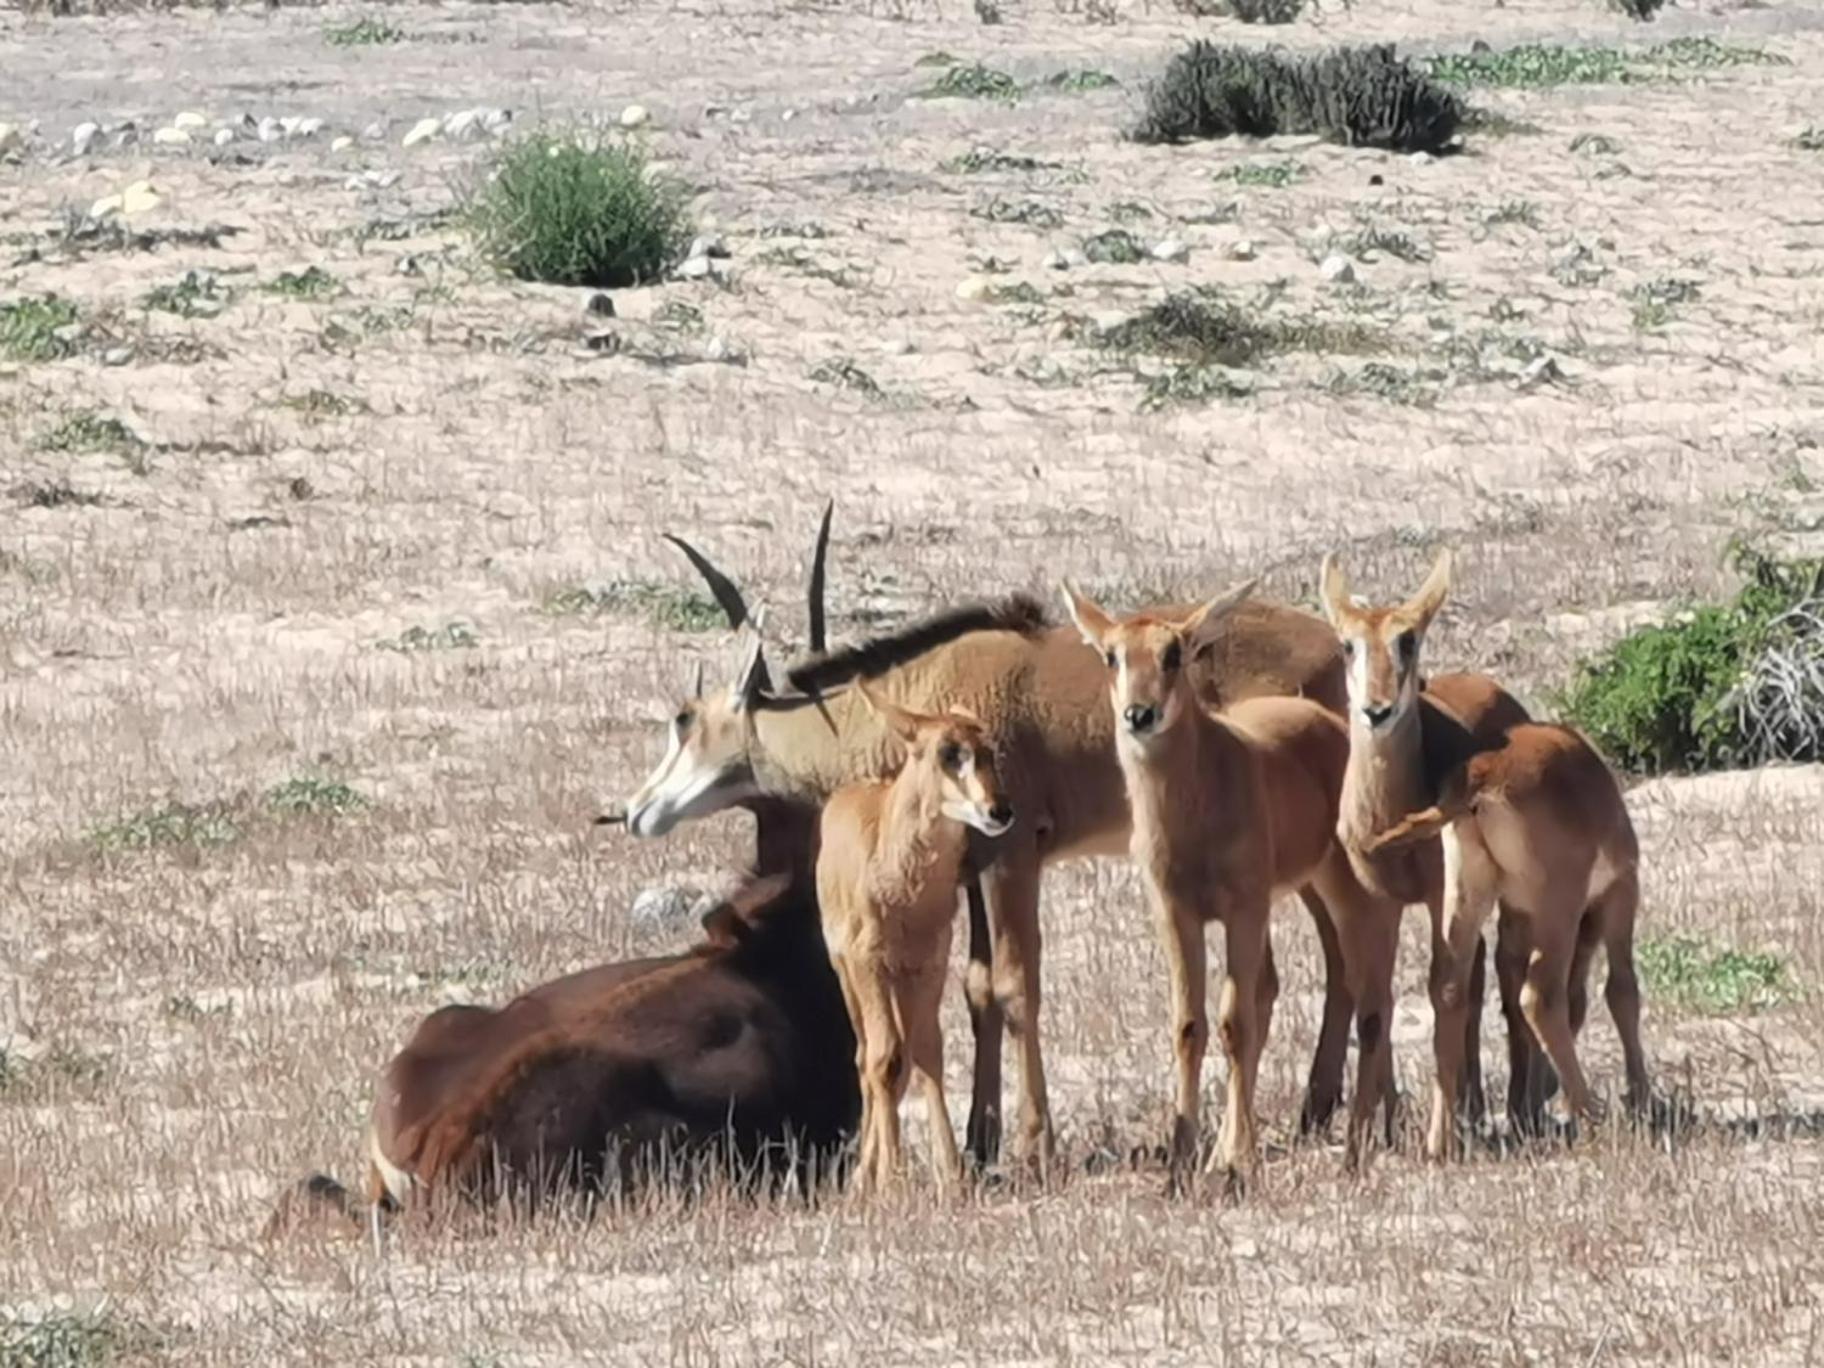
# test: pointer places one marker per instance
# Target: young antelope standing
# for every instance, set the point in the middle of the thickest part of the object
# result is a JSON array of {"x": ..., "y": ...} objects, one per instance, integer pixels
[
  {"x": 1230, "y": 811},
  {"x": 1539, "y": 825},
  {"x": 887, "y": 875}
]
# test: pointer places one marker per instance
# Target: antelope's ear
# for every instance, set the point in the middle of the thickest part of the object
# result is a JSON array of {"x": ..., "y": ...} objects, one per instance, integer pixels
[
  {"x": 902, "y": 722},
  {"x": 1423, "y": 606},
  {"x": 1333, "y": 590},
  {"x": 1092, "y": 622},
  {"x": 1201, "y": 627}
]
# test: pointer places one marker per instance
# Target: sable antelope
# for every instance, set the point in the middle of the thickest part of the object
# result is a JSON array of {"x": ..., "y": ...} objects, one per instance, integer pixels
[
  {"x": 738, "y": 1051},
  {"x": 1042, "y": 696},
  {"x": 1406, "y": 732},
  {"x": 1539, "y": 825},
  {"x": 1230, "y": 811},
  {"x": 887, "y": 875}
]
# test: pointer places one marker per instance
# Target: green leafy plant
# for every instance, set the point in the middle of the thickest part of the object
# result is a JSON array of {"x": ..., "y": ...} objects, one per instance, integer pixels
[
  {"x": 366, "y": 31},
  {"x": 973, "y": 82},
  {"x": 573, "y": 211},
  {"x": 87, "y": 430},
  {"x": 1716, "y": 980},
  {"x": 33, "y": 328},
  {"x": 197, "y": 294},
  {"x": 664, "y": 605},
  {"x": 313, "y": 282},
  {"x": 192, "y": 824},
  {"x": 314, "y": 797}
]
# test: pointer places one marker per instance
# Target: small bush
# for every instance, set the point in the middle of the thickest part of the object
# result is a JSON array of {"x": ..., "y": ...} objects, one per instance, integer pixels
[
  {"x": 1081, "y": 79},
  {"x": 1533, "y": 65},
  {"x": 664, "y": 605},
  {"x": 1265, "y": 11},
  {"x": 314, "y": 797},
  {"x": 1810, "y": 140},
  {"x": 88, "y": 431},
  {"x": 570, "y": 212},
  {"x": 364, "y": 32},
  {"x": 75, "y": 1339},
  {"x": 452, "y": 636},
  {"x": 1199, "y": 327},
  {"x": 33, "y": 328},
  {"x": 1740, "y": 683},
  {"x": 1358, "y": 96},
  {"x": 1710, "y": 979},
  {"x": 194, "y": 824},
  {"x": 1272, "y": 175},
  {"x": 1642, "y": 10},
  {"x": 1116, "y": 247},
  {"x": 198, "y": 294},
  {"x": 973, "y": 82},
  {"x": 313, "y": 282}
]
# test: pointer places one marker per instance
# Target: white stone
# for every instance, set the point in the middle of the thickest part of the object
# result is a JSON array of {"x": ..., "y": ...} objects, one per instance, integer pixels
[
  {"x": 83, "y": 136},
  {"x": 635, "y": 116},
  {"x": 1420, "y": 158},
  {"x": 707, "y": 245},
  {"x": 974, "y": 287},
  {"x": 139, "y": 198},
  {"x": 1541, "y": 370},
  {"x": 1171, "y": 250},
  {"x": 697, "y": 268},
  {"x": 374, "y": 132},
  {"x": 1055, "y": 261},
  {"x": 788, "y": 116},
  {"x": 342, "y": 144},
  {"x": 900, "y": 346},
  {"x": 268, "y": 130},
  {"x": 462, "y": 123},
  {"x": 11, "y": 136},
  {"x": 105, "y": 206},
  {"x": 190, "y": 119},
  {"x": 496, "y": 121},
  {"x": 116, "y": 356},
  {"x": 288, "y": 124},
  {"x": 1243, "y": 250},
  {"x": 422, "y": 131},
  {"x": 224, "y": 136},
  {"x": 1338, "y": 270},
  {"x": 172, "y": 137},
  {"x": 307, "y": 128}
]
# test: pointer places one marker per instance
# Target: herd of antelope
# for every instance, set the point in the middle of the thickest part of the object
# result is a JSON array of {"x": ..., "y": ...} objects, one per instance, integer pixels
[{"x": 1237, "y": 749}]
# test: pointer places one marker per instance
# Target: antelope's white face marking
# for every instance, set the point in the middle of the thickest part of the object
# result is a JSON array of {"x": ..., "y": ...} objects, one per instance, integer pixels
[
  {"x": 706, "y": 767},
  {"x": 1381, "y": 645}
]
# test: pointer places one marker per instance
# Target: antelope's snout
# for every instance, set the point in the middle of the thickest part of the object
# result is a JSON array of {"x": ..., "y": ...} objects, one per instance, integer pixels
[{"x": 1140, "y": 718}]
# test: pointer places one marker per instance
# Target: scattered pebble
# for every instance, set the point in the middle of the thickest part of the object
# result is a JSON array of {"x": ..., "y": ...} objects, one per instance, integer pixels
[
  {"x": 422, "y": 131},
  {"x": 707, "y": 245},
  {"x": 139, "y": 198},
  {"x": 664, "y": 909},
  {"x": 116, "y": 356},
  {"x": 307, "y": 128},
  {"x": 83, "y": 136},
  {"x": 1054, "y": 261},
  {"x": 497, "y": 121},
  {"x": 788, "y": 116},
  {"x": 721, "y": 349},
  {"x": 601, "y": 305},
  {"x": 1171, "y": 249},
  {"x": 189, "y": 119},
  {"x": 172, "y": 137},
  {"x": 1541, "y": 370},
  {"x": 342, "y": 144},
  {"x": 1420, "y": 158},
  {"x": 1338, "y": 270},
  {"x": 697, "y": 268},
  {"x": 224, "y": 136},
  {"x": 11, "y": 136},
  {"x": 374, "y": 132},
  {"x": 462, "y": 123},
  {"x": 635, "y": 116},
  {"x": 974, "y": 287},
  {"x": 105, "y": 207},
  {"x": 1243, "y": 250},
  {"x": 268, "y": 130}
]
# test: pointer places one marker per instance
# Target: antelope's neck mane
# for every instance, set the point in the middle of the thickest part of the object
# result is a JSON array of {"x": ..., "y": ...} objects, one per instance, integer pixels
[{"x": 807, "y": 748}]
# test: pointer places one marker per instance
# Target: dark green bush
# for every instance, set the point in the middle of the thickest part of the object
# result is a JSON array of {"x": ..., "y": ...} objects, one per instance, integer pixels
[
  {"x": 575, "y": 212},
  {"x": 1358, "y": 96},
  {"x": 1739, "y": 683}
]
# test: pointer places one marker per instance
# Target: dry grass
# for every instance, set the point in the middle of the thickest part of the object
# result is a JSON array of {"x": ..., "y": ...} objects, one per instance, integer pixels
[{"x": 192, "y": 1020}]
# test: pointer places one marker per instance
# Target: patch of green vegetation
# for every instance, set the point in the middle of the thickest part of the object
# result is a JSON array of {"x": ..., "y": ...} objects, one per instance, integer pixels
[
  {"x": 452, "y": 636},
  {"x": 1735, "y": 683},
  {"x": 1203, "y": 328},
  {"x": 1523, "y": 212},
  {"x": 1266, "y": 175},
  {"x": 74, "y": 1339},
  {"x": 978, "y": 160},
  {"x": 1536, "y": 65},
  {"x": 678, "y": 316},
  {"x": 315, "y": 797},
  {"x": 1811, "y": 139},
  {"x": 366, "y": 31},
  {"x": 1080, "y": 80},
  {"x": 1129, "y": 211},
  {"x": 1656, "y": 301},
  {"x": 843, "y": 373},
  {"x": 317, "y": 405},
  {"x": 182, "y": 1007},
  {"x": 1115, "y": 247},
  {"x": 313, "y": 282},
  {"x": 1376, "y": 240},
  {"x": 53, "y": 494},
  {"x": 973, "y": 82},
  {"x": 87, "y": 431},
  {"x": 663, "y": 605},
  {"x": 1191, "y": 384},
  {"x": 174, "y": 824},
  {"x": 1392, "y": 384},
  {"x": 937, "y": 58},
  {"x": 1596, "y": 144},
  {"x": 1018, "y": 292},
  {"x": 1264, "y": 11},
  {"x": 1711, "y": 979},
  {"x": 197, "y": 294},
  {"x": 1029, "y": 212},
  {"x": 802, "y": 261},
  {"x": 573, "y": 211},
  {"x": 32, "y": 328}
]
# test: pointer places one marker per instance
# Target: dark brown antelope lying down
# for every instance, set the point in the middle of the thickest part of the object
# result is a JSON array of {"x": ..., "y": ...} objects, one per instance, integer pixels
[{"x": 736, "y": 1050}]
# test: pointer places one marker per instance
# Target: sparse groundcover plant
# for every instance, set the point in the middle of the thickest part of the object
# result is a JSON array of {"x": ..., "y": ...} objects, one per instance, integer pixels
[
  {"x": 1550, "y": 64},
  {"x": 843, "y": 373},
  {"x": 1271, "y": 175},
  {"x": 313, "y": 282},
  {"x": 573, "y": 210},
  {"x": 197, "y": 294},
  {"x": 86, "y": 431},
  {"x": 173, "y": 824},
  {"x": 1638, "y": 9},
  {"x": 1198, "y": 326},
  {"x": 1715, "y": 980},
  {"x": 1079, "y": 80},
  {"x": 1810, "y": 140},
  {"x": 319, "y": 404},
  {"x": 1377, "y": 240},
  {"x": 1358, "y": 96},
  {"x": 1656, "y": 301},
  {"x": 1192, "y": 384},
  {"x": 452, "y": 636},
  {"x": 1261, "y": 11},
  {"x": 978, "y": 160},
  {"x": 663, "y": 605},
  {"x": 1115, "y": 246},
  {"x": 973, "y": 82},
  {"x": 314, "y": 797},
  {"x": 75, "y": 1339},
  {"x": 1523, "y": 212},
  {"x": 1029, "y": 212},
  {"x": 366, "y": 31},
  {"x": 36, "y": 328},
  {"x": 1730, "y": 684},
  {"x": 53, "y": 494}
]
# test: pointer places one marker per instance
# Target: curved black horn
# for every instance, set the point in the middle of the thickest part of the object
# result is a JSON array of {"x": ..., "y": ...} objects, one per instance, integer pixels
[
  {"x": 817, "y": 562},
  {"x": 720, "y": 585}
]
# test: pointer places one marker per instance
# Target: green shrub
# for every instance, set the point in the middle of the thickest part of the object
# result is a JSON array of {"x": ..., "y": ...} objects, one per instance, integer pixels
[
  {"x": 1739, "y": 683},
  {"x": 1358, "y": 96},
  {"x": 34, "y": 328},
  {"x": 1711, "y": 979},
  {"x": 574, "y": 212}
]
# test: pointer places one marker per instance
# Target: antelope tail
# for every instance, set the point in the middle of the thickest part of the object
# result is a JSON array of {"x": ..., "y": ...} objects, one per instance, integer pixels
[{"x": 1457, "y": 798}]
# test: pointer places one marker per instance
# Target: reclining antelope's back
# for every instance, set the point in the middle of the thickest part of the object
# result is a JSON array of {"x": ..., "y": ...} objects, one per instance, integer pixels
[
  {"x": 1538, "y": 824},
  {"x": 887, "y": 875}
]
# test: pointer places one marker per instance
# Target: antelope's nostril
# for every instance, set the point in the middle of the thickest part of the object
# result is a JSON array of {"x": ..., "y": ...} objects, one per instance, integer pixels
[
  {"x": 1139, "y": 716},
  {"x": 1377, "y": 713},
  {"x": 1001, "y": 814}
]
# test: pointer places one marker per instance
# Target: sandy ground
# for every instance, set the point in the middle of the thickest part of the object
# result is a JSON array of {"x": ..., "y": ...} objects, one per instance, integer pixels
[{"x": 431, "y": 455}]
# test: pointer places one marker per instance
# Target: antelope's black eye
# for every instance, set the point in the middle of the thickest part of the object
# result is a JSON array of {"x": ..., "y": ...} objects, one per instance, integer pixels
[
  {"x": 950, "y": 756},
  {"x": 1170, "y": 657},
  {"x": 1108, "y": 658},
  {"x": 682, "y": 721},
  {"x": 1407, "y": 645},
  {"x": 1349, "y": 647}
]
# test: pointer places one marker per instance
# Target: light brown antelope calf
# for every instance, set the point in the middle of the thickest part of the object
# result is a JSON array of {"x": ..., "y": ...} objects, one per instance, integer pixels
[
  {"x": 887, "y": 875},
  {"x": 1406, "y": 732},
  {"x": 1539, "y": 825},
  {"x": 1230, "y": 810}
]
